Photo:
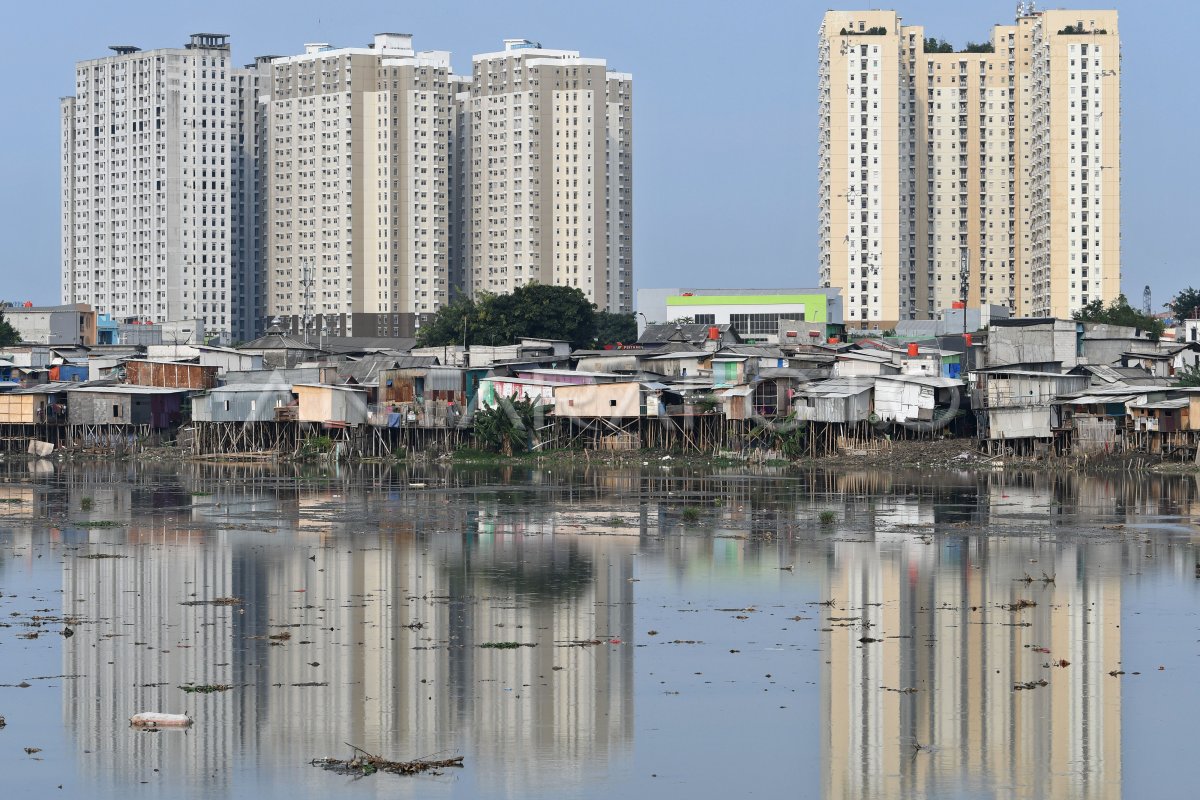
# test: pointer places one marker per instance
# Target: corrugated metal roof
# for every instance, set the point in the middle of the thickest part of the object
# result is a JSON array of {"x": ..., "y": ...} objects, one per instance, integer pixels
[
  {"x": 674, "y": 356},
  {"x": 1094, "y": 399},
  {"x": 925, "y": 380},
  {"x": 329, "y": 386},
  {"x": 246, "y": 388},
  {"x": 125, "y": 389},
  {"x": 1178, "y": 402}
]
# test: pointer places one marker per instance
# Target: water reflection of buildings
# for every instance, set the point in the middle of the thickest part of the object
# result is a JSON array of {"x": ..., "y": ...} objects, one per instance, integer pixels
[
  {"x": 388, "y": 613},
  {"x": 939, "y": 608},
  {"x": 404, "y": 584}
]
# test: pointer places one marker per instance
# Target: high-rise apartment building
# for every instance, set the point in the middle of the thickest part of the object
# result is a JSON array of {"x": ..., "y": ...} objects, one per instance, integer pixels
[
  {"x": 250, "y": 89},
  {"x": 146, "y": 184},
  {"x": 359, "y": 169},
  {"x": 341, "y": 190},
  {"x": 999, "y": 165},
  {"x": 550, "y": 174}
]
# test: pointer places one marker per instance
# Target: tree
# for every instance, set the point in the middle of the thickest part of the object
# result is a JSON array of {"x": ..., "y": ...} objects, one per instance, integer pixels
[
  {"x": 1119, "y": 312},
  {"x": 1189, "y": 376},
  {"x": 615, "y": 328},
  {"x": 979, "y": 47},
  {"x": 935, "y": 45},
  {"x": 535, "y": 310},
  {"x": 1186, "y": 304},
  {"x": 455, "y": 323},
  {"x": 546, "y": 312},
  {"x": 8, "y": 334},
  {"x": 508, "y": 426}
]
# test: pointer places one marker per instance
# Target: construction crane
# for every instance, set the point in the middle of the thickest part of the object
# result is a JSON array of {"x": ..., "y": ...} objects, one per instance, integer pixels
[{"x": 1146, "y": 307}]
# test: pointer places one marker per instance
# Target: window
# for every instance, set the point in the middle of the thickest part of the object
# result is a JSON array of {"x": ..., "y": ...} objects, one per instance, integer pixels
[
  {"x": 761, "y": 324},
  {"x": 705, "y": 319}
]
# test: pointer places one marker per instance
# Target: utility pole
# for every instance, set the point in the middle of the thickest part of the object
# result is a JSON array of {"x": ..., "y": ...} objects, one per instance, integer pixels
[
  {"x": 306, "y": 283},
  {"x": 964, "y": 274}
]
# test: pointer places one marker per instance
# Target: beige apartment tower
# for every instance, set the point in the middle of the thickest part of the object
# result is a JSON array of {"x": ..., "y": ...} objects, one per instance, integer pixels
[
  {"x": 999, "y": 164},
  {"x": 549, "y": 178},
  {"x": 359, "y": 142}
]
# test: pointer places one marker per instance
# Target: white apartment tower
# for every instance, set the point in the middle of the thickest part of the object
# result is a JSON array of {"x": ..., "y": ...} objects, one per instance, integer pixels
[
  {"x": 146, "y": 184},
  {"x": 342, "y": 190},
  {"x": 359, "y": 147},
  {"x": 550, "y": 174},
  {"x": 999, "y": 163}
]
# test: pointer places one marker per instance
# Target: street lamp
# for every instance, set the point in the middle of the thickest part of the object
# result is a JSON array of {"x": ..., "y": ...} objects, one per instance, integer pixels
[{"x": 644, "y": 319}]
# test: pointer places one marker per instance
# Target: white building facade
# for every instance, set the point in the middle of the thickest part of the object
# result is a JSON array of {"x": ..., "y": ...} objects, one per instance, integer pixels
[{"x": 146, "y": 184}]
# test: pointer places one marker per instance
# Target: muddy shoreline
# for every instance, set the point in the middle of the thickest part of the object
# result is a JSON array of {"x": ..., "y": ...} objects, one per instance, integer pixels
[{"x": 951, "y": 454}]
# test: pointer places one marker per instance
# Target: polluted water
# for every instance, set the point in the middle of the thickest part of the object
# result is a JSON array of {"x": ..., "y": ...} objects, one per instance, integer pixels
[{"x": 668, "y": 630}]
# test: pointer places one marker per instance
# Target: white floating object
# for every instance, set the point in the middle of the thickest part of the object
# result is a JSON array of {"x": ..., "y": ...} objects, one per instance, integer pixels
[{"x": 154, "y": 719}]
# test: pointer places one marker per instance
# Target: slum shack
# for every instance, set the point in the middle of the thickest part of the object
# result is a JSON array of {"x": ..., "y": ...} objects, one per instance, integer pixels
[
  {"x": 915, "y": 398},
  {"x": 1015, "y": 408},
  {"x": 424, "y": 395},
  {"x": 154, "y": 407},
  {"x": 737, "y": 402},
  {"x": 623, "y": 400},
  {"x": 405, "y": 384},
  {"x": 496, "y": 388},
  {"x": 227, "y": 359},
  {"x": 330, "y": 405},
  {"x": 40, "y": 405},
  {"x": 1168, "y": 426},
  {"x": 837, "y": 401},
  {"x": 280, "y": 351},
  {"x": 730, "y": 370},
  {"x": 242, "y": 402},
  {"x": 170, "y": 374},
  {"x": 1097, "y": 420}
]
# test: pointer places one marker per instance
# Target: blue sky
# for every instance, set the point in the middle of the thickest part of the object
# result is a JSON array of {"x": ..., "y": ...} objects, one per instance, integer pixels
[{"x": 724, "y": 115}]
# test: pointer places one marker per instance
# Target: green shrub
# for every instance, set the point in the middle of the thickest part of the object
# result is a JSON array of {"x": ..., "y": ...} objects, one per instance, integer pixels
[{"x": 508, "y": 426}]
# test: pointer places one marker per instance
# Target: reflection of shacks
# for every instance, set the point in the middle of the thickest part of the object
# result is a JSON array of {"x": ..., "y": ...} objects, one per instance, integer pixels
[
  {"x": 171, "y": 374},
  {"x": 836, "y": 400},
  {"x": 241, "y": 402},
  {"x": 336, "y": 404},
  {"x": 153, "y": 406},
  {"x": 624, "y": 400}
]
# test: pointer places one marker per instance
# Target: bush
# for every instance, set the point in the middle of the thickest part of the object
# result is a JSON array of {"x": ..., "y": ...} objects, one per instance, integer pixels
[
  {"x": 828, "y": 517},
  {"x": 508, "y": 426},
  {"x": 315, "y": 447},
  {"x": 690, "y": 514}
]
